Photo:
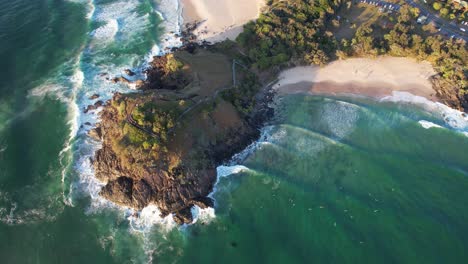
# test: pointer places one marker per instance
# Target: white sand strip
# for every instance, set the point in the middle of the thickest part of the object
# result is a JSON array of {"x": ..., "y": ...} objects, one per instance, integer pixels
[
  {"x": 371, "y": 77},
  {"x": 223, "y": 19}
]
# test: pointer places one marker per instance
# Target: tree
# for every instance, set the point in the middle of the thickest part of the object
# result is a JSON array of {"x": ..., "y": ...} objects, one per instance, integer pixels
[
  {"x": 405, "y": 14},
  {"x": 415, "y": 11},
  {"x": 341, "y": 55},
  {"x": 444, "y": 12},
  {"x": 437, "y": 6}
]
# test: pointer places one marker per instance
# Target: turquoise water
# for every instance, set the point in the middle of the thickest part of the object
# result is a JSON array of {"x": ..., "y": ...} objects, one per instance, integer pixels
[
  {"x": 332, "y": 180},
  {"x": 347, "y": 181}
]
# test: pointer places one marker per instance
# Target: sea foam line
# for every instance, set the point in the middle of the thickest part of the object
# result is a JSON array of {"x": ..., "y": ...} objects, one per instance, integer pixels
[
  {"x": 454, "y": 119},
  {"x": 230, "y": 169},
  {"x": 144, "y": 220}
]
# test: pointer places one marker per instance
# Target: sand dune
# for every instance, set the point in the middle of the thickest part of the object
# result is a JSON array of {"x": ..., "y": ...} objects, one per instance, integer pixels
[
  {"x": 370, "y": 77},
  {"x": 223, "y": 19}
]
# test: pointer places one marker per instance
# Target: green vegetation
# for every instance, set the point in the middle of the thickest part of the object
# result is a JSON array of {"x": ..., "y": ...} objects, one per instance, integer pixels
[
  {"x": 173, "y": 64},
  {"x": 450, "y": 9},
  {"x": 242, "y": 96},
  {"x": 299, "y": 32},
  {"x": 448, "y": 56},
  {"x": 290, "y": 30},
  {"x": 144, "y": 127}
]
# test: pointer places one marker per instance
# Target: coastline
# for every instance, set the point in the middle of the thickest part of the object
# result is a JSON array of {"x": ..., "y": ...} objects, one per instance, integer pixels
[
  {"x": 170, "y": 13},
  {"x": 375, "y": 78},
  {"x": 216, "y": 26}
]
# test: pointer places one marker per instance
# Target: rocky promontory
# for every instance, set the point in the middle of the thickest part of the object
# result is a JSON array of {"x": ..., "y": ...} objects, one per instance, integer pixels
[{"x": 161, "y": 145}]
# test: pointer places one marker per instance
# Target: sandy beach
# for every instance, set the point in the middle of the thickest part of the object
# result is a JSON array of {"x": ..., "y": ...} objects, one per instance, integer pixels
[
  {"x": 362, "y": 76},
  {"x": 222, "y": 19}
]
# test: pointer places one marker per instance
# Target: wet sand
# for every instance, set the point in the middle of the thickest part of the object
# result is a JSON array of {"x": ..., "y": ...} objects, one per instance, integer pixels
[{"x": 375, "y": 78}]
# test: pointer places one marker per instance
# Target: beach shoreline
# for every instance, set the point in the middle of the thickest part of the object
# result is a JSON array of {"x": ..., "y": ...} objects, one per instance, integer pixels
[
  {"x": 374, "y": 78},
  {"x": 216, "y": 26}
]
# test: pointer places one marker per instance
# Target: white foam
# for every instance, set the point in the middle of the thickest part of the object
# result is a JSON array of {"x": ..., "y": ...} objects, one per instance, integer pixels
[
  {"x": 89, "y": 5},
  {"x": 91, "y": 8},
  {"x": 427, "y": 124},
  {"x": 224, "y": 171},
  {"x": 208, "y": 214},
  {"x": 266, "y": 136},
  {"x": 123, "y": 24},
  {"x": 107, "y": 32},
  {"x": 28, "y": 205},
  {"x": 171, "y": 12},
  {"x": 340, "y": 118},
  {"x": 204, "y": 216},
  {"x": 453, "y": 118},
  {"x": 50, "y": 89},
  {"x": 232, "y": 168},
  {"x": 149, "y": 217}
]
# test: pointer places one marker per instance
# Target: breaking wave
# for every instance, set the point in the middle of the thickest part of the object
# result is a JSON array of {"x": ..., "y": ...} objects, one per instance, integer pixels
[
  {"x": 452, "y": 118},
  {"x": 118, "y": 26},
  {"x": 427, "y": 124},
  {"x": 121, "y": 26}
]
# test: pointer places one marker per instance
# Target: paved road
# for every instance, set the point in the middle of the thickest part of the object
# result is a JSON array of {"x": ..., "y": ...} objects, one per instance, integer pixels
[{"x": 446, "y": 28}]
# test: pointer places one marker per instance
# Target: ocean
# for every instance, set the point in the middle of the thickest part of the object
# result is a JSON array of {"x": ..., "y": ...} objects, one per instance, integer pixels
[{"x": 331, "y": 180}]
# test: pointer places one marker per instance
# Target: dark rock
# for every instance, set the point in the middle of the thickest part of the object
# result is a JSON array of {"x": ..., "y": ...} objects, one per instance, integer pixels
[
  {"x": 136, "y": 177},
  {"x": 119, "y": 190},
  {"x": 183, "y": 216},
  {"x": 139, "y": 84},
  {"x": 93, "y": 107},
  {"x": 129, "y": 72},
  {"x": 95, "y": 133},
  {"x": 94, "y": 96},
  {"x": 159, "y": 75},
  {"x": 142, "y": 194},
  {"x": 99, "y": 103},
  {"x": 107, "y": 165},
  {"x": 120, "y": 79}
]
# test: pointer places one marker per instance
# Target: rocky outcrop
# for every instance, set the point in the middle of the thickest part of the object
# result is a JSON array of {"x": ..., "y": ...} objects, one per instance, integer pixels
[
  {"x": 162, "y": 146},
  {"x": 445, "y": 92},
  {"x": 129, "y": 72},
  {"x": 95, "y": 133},
  {"x": 94, "y": 96},
  {"x": 94, "y": 106},
  {"x": 166, "y": 72}
]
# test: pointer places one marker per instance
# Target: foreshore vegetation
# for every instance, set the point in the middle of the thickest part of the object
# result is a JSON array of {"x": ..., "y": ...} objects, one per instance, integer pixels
[{"x": 301, "y": 32}]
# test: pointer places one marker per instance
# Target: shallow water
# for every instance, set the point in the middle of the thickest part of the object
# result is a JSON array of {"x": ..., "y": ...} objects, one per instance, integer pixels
[{"x": 331, "y": 180}]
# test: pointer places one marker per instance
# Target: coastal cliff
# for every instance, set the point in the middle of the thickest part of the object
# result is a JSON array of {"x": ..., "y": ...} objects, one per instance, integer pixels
[
  {"x": 202, "y": 104},
  {"x": 162, "y": 145}
]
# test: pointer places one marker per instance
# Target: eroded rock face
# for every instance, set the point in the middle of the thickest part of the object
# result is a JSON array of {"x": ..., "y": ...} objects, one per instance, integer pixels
[
  {"x": 95, "y": 133},
  {"x": 107, "y": 165},
  {"x": 139, "y": 179},
  {"x": 93, "y": 106},
  {"x": 166, "y": 73},
  {"x": 162, "y": 147},
  {"x": 174, "y": 193}
]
